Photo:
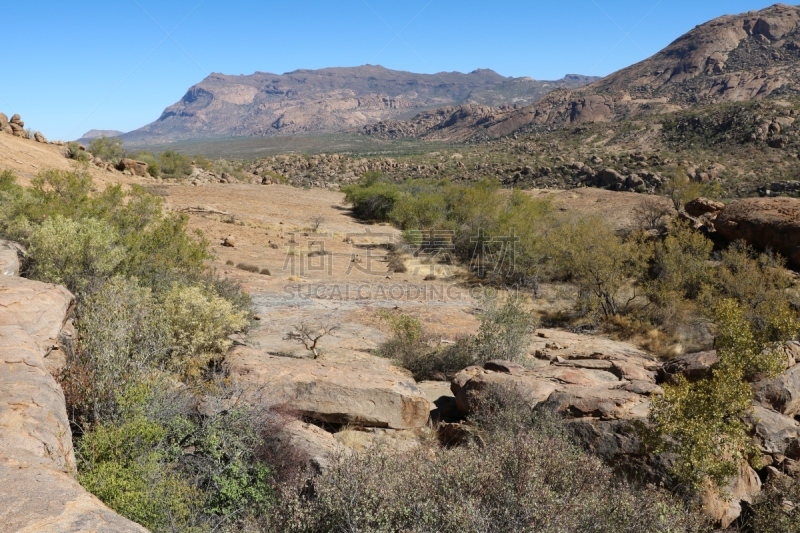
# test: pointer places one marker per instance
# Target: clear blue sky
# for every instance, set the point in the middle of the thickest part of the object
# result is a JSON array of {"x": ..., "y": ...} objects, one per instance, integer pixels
[{"x": 68, "y": 67}]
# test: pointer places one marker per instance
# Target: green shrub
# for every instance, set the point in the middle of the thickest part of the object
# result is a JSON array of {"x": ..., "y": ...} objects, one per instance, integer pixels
[
  {"x": 162, "y": 465},
  {"x": 123, "y": 334},
  {"x": 107, "y": 149},
  {"x": 776, "y": 509},
  {"x": 247, "y": 267},
  {"x": 200, "y": 322},
  {"x": 504, "y": 332},
  {"x": 76, "y": 151},
  {"x": 74, "y": 253},
  {"x": 372, "y": 202},
  {"x": 587, "y": 251},
  {"x": 174, "y": 164},
  {"x": 702, "y": 422}
]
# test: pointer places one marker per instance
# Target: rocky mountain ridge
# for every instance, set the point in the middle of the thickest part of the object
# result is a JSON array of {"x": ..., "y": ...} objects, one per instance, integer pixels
[
  {"x": 734, "y": 58},
  {"x": 329, "y": 100}
]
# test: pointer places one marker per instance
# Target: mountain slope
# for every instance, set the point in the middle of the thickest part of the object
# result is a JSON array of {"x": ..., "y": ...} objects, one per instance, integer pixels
[
  {"x": 329, "y": 100},
  {"x": 732, "y": 58}
]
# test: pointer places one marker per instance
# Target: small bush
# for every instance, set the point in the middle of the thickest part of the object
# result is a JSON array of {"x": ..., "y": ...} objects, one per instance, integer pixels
[
  {"x": 504, "y": 332},
  {"x": 265, "y": 272},
  {"x": 777, "y": 508},
  {"x": 200, "y": 323},
  {"x": 77, "y": 152},
  {"x": 229, "y": 263},
  {"x": 702, "y": 422},
  {"x": 248, "y": 267}
]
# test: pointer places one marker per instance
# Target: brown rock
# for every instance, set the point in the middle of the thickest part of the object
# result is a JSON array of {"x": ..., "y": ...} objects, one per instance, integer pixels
[
  {"x": 778, "y": 435},
  {"x": 41, "y": 309},
  {"x": 37, "y": 490},
  {"x": 781, "y": 393},
  {"x": 700, "y": 206},
  {"x": 137, "y": 168},
  {"x": 3, "y": 120},
  {"x": 39, "y": 138},
  {"x": 229, "y": 241},
  {"x": 693, "y": 366},
  {"x": 369, "y": 392},
  {"x": 726, "y": 507},
  {"x": 764, "y": 223},
  {"x": 16, "y": 119}
]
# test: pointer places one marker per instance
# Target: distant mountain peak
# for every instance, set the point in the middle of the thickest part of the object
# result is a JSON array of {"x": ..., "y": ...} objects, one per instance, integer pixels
[{"x": 327, "y": 100}]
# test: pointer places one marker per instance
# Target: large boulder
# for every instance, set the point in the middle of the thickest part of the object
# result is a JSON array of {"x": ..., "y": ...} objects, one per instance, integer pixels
[
  {"x": 777, "y": 435},
  {"x": 765, "y": 223},
  {"x": 37, "y": 462},
  {"x": 368, "y": 392},
  {"x": 137, "y": 168},
  {"x": 701, "y": 206},
  {"x": 781, "y": 393}
]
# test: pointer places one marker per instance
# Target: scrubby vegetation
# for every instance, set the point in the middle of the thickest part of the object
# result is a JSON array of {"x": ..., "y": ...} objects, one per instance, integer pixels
[
  {"x": 152, "y": 324},
  {"x": 523, "y": 474}
]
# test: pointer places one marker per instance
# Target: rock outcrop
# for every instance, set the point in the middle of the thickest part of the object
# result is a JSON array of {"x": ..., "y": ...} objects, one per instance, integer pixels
[
  {"x": 764, "y": 223},
  {"x": 605, "y": 388},
  {"x": 15, "y": 126},
  {"x": 368, "y": 392},
  {"x": 133, "y": 167},
  {"x": 37, "y": 489}
]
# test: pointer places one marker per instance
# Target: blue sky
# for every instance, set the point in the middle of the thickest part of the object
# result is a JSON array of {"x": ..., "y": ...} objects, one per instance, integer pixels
[{"x": 68, "y": 67}]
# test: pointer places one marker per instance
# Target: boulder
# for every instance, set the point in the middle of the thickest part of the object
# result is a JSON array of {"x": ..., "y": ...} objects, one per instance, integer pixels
[
  {"x": 726, "y": 506},
  {"x": 18, "y": 131},
  {"x": 610, "y": 177},
  {"x": 39, "y": 138},
  {"x": 313, "y": 442},
  {"x": 10, "y": 253},
  {"x": 778, "y": 435},
  {"x": 700, "y": 206},
  {"x": 136, "y": 168},
  {"x": 229, "y": 241},
  {"x": 37, "y": 461},
  {"x": 16, "y": 119},
  {"x": 693, "y": 366},
  {"x": 781, "y": 393},
  {"x": 41, "y": 309},
  {"x": 3, "y": 120},
  {"x": 765, "y": 223},
  {"x": 368, "y": 392}
]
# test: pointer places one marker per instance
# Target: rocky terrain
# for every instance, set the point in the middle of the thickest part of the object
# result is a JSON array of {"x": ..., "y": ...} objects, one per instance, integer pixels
[
  {"x": 327, "y": 100},
  {"x": 37, "y": 461},
  {"x": 734, "y": 58}
]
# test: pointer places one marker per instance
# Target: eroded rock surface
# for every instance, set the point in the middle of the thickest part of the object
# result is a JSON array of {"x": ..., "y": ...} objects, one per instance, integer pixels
[
  {"x": 765, "y": 223},
  {"x": 37, "y": 490},
  {"x": 368, "y": 392}
]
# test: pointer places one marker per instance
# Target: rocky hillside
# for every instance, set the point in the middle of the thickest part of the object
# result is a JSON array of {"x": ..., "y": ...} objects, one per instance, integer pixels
[
  {"x": 733, "y": 58},
  {"x": 328, "y": 100}
]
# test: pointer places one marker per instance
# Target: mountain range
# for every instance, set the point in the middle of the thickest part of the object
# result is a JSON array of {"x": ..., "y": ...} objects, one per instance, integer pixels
[
  {"x": 329, "y": 100},
  {"x": 734, "y": 58}
]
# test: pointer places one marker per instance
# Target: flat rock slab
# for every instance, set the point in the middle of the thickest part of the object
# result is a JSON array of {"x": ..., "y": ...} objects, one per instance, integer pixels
[
  {"x": 369, "y": 392},
  {"x": 41, "y": 309}
]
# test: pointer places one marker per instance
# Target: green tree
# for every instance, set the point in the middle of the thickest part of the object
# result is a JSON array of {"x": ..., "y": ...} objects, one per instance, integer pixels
[
  {"x": 703, "y": 422},
  {"x": 107, "y": 148}
]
